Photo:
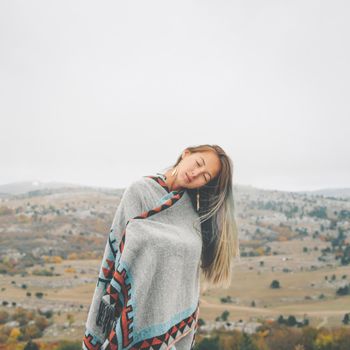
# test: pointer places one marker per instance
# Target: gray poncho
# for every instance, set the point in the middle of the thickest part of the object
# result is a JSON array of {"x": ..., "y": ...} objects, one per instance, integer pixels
[{"x": 147, "y": 292}]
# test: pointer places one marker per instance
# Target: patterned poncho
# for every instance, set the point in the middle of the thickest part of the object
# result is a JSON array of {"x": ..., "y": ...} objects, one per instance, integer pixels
[{"x": 147, "y": 291}]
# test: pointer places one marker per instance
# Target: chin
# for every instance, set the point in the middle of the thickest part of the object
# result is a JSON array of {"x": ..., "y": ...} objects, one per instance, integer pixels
[
  {"x": 184, "y": 184},
  {"x": 189, "y": 185}
]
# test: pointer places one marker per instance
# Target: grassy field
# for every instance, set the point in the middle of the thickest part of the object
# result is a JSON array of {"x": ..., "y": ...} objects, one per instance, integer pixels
[
  {"x": 299, "y": 295},
  {"x": 304, "y": 290}
]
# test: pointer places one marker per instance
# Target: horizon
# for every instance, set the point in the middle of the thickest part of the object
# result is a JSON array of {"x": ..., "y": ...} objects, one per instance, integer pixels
[{"x": 32, "y": 181}]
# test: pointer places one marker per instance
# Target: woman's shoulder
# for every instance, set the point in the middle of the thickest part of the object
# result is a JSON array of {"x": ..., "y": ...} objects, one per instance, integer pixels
[
  {"x": 139, "y": 185},
  {"x": 143, "y": 191}
]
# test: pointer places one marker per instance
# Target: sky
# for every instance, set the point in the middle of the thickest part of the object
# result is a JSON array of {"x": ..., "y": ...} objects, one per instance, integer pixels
[{"x": 102, "y": 93}]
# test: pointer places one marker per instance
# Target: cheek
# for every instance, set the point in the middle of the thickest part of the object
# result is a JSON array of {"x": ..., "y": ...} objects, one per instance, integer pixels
[
  {"x": 186, "y": 165},
  {"x": 199, "y": 182}
]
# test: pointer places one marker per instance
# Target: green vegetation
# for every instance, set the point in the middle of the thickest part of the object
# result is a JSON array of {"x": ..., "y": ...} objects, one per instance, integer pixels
[
  {"x": 208, "y": 344},
  {"x": 346, "y": 319},
  {"x": 319, "y": 212},
  {"x": 42, "y": 272},
  {"x": 291, "y": 321},
  {"x": 223, "y": 316},
  {"x": 275, "y": 284},
  {"x": 343, "y": 290},
  {"x": 31, "y": 346}
]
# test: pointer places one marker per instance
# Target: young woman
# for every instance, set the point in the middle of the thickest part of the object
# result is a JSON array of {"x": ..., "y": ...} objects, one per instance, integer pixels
[{"x": 167, "y": 228}]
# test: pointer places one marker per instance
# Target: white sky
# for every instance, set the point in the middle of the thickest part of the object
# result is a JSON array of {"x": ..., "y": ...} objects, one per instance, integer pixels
[{"x": 101, "y": 93}]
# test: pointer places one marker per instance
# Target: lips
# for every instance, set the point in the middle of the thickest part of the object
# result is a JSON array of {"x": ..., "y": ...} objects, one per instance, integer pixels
[{"x": 188, "y": 178}]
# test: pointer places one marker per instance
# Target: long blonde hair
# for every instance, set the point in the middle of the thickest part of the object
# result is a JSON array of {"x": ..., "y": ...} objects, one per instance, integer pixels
[{"x": 217, "y": 219}]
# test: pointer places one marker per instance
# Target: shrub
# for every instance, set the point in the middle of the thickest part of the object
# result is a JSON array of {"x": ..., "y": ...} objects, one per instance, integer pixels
[
  {"x": 346, "y": 319},
  {"x": 275, "y": 284},
  {"x": 247, "y": 343},
  {"x": 343, "y": 290},
  {"x": 209, "y": 344},
  {"x": 39, "y": 295},
  {"x": 31, "y": 346},
  {"x": 4, "y": 316}
]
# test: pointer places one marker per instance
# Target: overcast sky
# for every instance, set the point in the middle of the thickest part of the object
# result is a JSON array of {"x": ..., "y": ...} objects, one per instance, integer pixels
[{"x": 101, "y": 93}]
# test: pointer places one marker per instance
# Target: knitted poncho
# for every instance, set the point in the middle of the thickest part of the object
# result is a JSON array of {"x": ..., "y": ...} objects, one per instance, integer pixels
[{"x": 147, "y": 291}]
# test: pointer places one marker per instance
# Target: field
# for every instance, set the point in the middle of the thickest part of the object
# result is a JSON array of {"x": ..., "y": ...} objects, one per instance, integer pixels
[
  {"x": 298, "y": 295},
  {"x": 51, "y": 243}
]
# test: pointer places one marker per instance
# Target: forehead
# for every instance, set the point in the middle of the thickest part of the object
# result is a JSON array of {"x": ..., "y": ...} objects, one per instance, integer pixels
[{"x": 211, "y": 160}]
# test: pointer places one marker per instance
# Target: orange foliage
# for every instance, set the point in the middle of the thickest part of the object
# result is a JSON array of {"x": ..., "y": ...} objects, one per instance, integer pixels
[
  {"x": 56, "y": 259},
  {"x": 52, "y": 259},
  {"x": 15, "y": 333},
  {"x": 260, "y": 251},
  {"x": 72, "y": 256},
  {"x": 70, "y": 270}
]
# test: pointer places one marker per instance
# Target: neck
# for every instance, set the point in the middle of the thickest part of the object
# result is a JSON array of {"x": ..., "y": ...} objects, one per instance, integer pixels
[{"x": 171, "y": 181}]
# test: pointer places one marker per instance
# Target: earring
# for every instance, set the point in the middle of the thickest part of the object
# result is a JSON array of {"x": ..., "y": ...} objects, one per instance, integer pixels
[
  {"x": 197, "y": 199},
  {"x": 174, "y": 172}
]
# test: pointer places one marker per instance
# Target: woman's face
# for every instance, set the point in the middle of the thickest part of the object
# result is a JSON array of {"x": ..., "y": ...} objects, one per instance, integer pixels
[{"x": 197, "y": 169}]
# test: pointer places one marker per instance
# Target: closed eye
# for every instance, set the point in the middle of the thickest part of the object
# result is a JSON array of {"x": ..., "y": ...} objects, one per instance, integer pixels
[{"x": 203, "y": 174}]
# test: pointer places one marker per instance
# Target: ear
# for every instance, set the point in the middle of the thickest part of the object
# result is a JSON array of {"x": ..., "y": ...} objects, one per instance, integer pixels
[{"x": 185, "y": 153}]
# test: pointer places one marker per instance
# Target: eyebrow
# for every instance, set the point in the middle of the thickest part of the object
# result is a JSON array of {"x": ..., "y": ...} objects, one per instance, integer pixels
[{"x": 204, "y": 164}]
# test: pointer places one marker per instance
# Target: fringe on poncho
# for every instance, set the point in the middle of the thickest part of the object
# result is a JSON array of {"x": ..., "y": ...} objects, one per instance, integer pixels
[{"x": 147, "y": 291}]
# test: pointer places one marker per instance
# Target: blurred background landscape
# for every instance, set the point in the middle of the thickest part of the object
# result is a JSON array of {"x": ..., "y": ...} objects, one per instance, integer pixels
[{"x": 294, "y": 270}]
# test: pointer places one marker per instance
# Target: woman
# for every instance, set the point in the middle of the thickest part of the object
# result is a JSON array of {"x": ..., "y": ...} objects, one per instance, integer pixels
[{"x": 167, "y": 226}]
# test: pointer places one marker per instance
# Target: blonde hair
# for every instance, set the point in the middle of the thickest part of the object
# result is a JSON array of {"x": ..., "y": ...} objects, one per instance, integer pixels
[{"x": 217, "y": 220}]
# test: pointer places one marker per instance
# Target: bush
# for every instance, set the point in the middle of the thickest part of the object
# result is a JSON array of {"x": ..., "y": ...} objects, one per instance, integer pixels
[
  {"x": 31, "y": 346},
  {"x": 226, "y": 299},
  {"x": 30, "y": 331},
  {"x": 201, "y": 322},
  {"x": 47, "y": 314},
  {"x": 275, "y": 284},
  {"x": 343, "y": 290},
  {"x": 247, "y": 343},
  {"x": 4, "y": 316},
  {"x": 209, "y": 344},
  {"x": 224, "y": 315},
  {"x": 39, "y": 295},
  {"x": 42, "y": 272},
  {"x": 346, "y": 319},
  {"x": 291, "y": 321}
]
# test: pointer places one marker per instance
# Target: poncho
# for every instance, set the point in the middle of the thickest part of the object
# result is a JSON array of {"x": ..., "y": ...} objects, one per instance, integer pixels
[{"x": 147, "y": 291}]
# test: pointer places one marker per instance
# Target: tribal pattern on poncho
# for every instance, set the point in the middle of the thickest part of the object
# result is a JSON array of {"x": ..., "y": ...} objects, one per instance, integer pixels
[{"x": 147, "y": 292}]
